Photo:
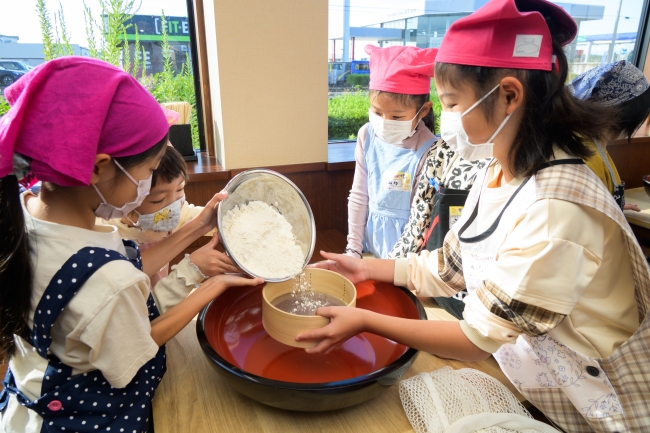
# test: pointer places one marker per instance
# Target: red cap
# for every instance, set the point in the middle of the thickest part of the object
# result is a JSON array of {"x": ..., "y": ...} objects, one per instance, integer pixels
[
  {"x": 399, "y": 69},
  {"x": 507, "y": 34}
]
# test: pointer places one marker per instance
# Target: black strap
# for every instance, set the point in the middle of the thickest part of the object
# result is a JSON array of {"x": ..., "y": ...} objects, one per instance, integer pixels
[
  {"x": 494, "y": 225},
  {"x": 486, "y": 234}
]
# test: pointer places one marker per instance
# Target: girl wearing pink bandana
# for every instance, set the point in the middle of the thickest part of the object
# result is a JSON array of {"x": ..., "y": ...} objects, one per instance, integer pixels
[{"x": 83, "y": 332}]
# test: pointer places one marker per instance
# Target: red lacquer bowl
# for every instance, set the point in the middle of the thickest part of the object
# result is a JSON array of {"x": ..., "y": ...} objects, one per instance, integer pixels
[{"x": 232, "y": 337}]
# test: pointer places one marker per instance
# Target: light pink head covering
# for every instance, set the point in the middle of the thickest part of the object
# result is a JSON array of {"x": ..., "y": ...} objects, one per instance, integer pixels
[
  {"x": 399, "y": 69},
  {"x": 171, "y": 115},
  {"x": 66, "y": 111}
]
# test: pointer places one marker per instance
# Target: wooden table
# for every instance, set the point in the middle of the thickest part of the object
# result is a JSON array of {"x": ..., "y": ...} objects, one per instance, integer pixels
[
  {"x": 638, "y": 197},
  {"x": 193, "y": 398},
  {"x": 639, "y": 221}
]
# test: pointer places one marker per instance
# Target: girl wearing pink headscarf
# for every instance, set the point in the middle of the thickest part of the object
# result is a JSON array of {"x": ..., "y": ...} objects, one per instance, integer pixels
[{"x": 82, "y": 331}]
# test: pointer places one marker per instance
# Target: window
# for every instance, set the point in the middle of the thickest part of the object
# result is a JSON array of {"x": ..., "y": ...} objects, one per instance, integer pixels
[
  {"x": 609, "y": 30},
  {"x": 167, "y": 73}
]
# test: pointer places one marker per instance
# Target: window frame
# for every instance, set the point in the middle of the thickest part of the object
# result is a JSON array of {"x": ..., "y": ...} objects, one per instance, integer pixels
[
  {"x": 196, "y": 70},
  {"x": 643, "y": 37}
]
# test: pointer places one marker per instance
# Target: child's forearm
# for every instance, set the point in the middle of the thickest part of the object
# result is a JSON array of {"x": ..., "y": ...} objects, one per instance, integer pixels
[
  {"x": 160, "y": 254},
  {"x": 379, "y": 269},
  {"x": 441, "y": 338},
  {"x": 170, "y": 323}
]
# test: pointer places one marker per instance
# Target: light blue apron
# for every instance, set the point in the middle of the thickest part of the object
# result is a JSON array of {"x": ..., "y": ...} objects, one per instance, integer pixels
[{"x": 391, "y": 174}]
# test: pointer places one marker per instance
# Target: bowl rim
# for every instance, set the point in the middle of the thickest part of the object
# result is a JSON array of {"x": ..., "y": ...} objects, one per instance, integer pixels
[
  {"x": 234, "y": 181},
  {"x": 365, "y": 379}
]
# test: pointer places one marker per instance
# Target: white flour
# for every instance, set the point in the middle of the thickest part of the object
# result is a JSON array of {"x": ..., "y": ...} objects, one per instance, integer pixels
[
  {"x": 262, "y": 241},
  {"x": 302, "y": 300}
]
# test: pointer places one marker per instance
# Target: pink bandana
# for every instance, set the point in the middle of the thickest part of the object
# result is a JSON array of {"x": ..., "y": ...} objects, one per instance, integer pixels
[{"x": 66, "y": 111}]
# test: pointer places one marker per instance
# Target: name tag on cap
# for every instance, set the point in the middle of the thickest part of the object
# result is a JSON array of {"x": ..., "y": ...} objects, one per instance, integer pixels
[{"x": 527, "y": 45}]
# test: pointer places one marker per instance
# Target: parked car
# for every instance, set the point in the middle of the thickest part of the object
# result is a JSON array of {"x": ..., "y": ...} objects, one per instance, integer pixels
[
  {"x": 7, "y": 77},
  {"x": 339, "y": 70},
  {"x": 15, "y": 65}
]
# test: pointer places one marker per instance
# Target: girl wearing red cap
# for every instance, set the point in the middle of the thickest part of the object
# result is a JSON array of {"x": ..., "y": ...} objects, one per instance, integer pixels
[
  {"x": 390, "y": 148},
  {"x": 82, "y": 331},
  {"x": 558, "y": 288}
]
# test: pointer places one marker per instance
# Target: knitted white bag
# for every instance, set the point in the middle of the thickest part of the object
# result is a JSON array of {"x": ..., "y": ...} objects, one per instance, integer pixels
[{"x": 463, "y": 401}]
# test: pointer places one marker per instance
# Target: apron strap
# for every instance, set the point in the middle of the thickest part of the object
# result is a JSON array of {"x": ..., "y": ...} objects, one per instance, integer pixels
[
  {"x": 64, "y": 285},
  {"x": 133, "y": 253},
  {"x": 495, "y": 224}
]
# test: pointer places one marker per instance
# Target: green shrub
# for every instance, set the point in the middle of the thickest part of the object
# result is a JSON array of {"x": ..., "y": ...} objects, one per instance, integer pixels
[
  {"x": 346, "y": 114},
  {"x": 168, "y": 86},
  {"x": 361, "y": 80},
  {"x": 437, "y": 107},
  {"x": 111, "y": 26},
  {"x": 4, "y": 106},
  {"x": 349, "y": 112}
]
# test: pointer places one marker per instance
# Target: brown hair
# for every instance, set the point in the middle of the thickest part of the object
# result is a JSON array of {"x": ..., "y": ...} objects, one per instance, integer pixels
[
  {"x": 553, "y": 116},
  {"x": 412, "y": 101},
  {"x": 633, "y": 114},
  {"x": 171, "y": 166}
]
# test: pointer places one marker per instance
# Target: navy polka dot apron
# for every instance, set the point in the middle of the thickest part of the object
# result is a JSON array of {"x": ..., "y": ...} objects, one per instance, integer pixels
[{"x": 86, "y": 402}]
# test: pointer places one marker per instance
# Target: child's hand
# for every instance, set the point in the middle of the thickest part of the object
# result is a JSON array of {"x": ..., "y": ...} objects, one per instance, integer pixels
[
  {"x": 350, "y": 267},
  {"x": 215, "y": 286},
  {"x": 225, "y": 281},
  {"x": 630, "y": 206},
  {"x": 208, "y": 216},
  {"x": 346, "y": 323},
  {"x": 212, "y": 262}
]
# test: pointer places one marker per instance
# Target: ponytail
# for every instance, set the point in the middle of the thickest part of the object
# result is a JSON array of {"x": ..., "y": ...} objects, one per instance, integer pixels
[{"x": 15, "y": 267}]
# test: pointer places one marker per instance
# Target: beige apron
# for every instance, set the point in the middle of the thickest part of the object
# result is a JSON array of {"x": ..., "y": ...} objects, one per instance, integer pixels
[{"x": 578, "y": 393}]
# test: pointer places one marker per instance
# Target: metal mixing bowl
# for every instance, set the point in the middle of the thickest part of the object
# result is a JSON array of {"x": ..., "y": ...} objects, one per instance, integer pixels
[{"x": 279, "y": 192}]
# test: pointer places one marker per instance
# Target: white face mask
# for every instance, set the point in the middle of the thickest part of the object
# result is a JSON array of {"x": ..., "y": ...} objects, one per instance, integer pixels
[
  {"x": 452, "y": 131},
  {"x": 392, "y": 131},
  {"x": 108, "y": 211},
  {"x": 163, "y": 220}
]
